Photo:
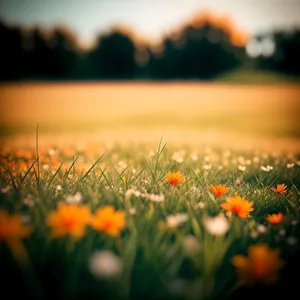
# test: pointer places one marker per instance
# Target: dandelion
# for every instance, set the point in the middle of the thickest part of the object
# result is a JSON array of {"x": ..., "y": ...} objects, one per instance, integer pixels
[
  {"x": 219, "y": 190},
  {"x": 242, "y": 168},
  {"x": 216, "y": 225},
  {"x": 261, "y": 265},
  {"x": 275, "y": 218},
  {"x": 108, "y": 220},
  {"x": 175, "y": 178},
  {"x": 238, "y": 205},
  {"x": 280, "y": 189},
  {"x": 69, "y": 219},
  {"x": 12, "y": 231},
  {"x": 105, "y": 264}
]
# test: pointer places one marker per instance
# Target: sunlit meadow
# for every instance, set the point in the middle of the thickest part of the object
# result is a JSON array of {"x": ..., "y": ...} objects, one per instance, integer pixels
[{"x": 176, "y": 198}]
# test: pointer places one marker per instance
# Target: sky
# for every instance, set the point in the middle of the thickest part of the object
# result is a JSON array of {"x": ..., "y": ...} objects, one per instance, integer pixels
[{"x": 149, "y": 19}]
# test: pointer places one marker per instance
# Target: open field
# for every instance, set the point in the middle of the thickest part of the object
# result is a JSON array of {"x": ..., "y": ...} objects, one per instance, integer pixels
[{"x": 94, "y": 204}]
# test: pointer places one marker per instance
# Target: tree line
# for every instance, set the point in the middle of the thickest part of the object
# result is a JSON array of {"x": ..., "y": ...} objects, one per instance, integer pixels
[{"x": 202, "y": 49}]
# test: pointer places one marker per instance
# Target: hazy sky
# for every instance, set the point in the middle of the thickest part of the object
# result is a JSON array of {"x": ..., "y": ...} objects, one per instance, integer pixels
[{"x": 148, "y": 18}]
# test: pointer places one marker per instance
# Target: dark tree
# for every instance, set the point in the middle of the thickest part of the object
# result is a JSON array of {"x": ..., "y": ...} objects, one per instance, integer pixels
[{"x": 114, "y": 56}]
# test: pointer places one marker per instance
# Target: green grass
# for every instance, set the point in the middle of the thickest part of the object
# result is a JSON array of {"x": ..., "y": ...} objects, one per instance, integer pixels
[
  {"x": 156, "y": 262},
  {"x": 256, "y": 77}
]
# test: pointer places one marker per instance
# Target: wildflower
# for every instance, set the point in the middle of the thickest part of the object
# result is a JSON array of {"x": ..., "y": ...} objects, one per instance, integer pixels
[
  {"x": 219, "y": 190},
  {"x": 105, "y": 264},
  {"x": 74, "y": 199},
  {"x": 175, "y": 178},
  {"x": 132, "y": 192},
  {"x": 275, "y": 218},
  {"x": 69, "y": 219},
  {"x": 261, "y": 228},
  {"x": 261, "y": 265},
  {"x": 109, "y": 220},
  {"x": 242, "y": 168},
  {"x": 175, "y": 220},
  {"x": 280, "y": 189},
  {"x": 291, "y": 165},
  {"x": 216, "y": 225},
  {"x": 12, "y": 231},
  {"x": 238, "y": 205}
]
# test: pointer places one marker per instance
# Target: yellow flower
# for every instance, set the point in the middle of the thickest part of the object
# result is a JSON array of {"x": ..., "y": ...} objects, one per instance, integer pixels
[
  {"x": 109, "y": 220},
  {"x": 280, "y": 189},
  {"x": 275, "y": 218},
  {"x": 175, "y": 178},
  {"x": 238, "y": 205},
  {"x": 12, "y": 231},
  {"x": 219, "y": 190},
  {"x": 69, "y": 219},
  {"x": 261, "y": 265}
]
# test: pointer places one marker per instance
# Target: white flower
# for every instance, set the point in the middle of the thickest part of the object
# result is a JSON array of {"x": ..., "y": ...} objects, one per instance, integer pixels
[
  {"x": 132, "y": 211},
  {"x": 291, "y": 165},
  {"x": 51, "y": 152},
  {"x": 177, "y": 157},
  {"x": 216, "y": 225},
  {"x": 45, "y": 167},
  {"x": 261, "y": 228},
  {"x": 201, "y": 205},
  {"x": 105, "y": 264},
  {"x": 267, "y": 168},
  {"x": 242, "y": 168},
  {"x": 177, "y": 219},
  {"x": 58, "y": 188},
  {"x": 155, "y": 198},
  {"x": 132, "y": 192},
  {"x": 74, "y": 199},
  {"x": 207, "y": 167},
  {"x": 194, "y": 156}
]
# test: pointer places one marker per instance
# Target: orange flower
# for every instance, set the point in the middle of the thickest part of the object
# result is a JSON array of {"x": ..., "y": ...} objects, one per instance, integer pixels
[
  {"x": 12, "y": 231},
  {"x": 175, "y": 178},
  {"x": 109, "y": 220},
  {"x": 262, "y": 265},
  {"x": 69, "y": 219},
  {"x": 219, "y": 190},
  {"x": 275, "y": 218},
  {"x": 238, "y": 205},
  {"x": 280, "y": 189}
]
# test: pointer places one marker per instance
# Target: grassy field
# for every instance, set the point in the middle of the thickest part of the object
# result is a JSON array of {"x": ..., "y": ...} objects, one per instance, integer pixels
[{"x": 95, "y": 204}]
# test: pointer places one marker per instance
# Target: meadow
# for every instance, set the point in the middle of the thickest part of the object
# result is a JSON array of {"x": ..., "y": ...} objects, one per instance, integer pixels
[{"x": 149, "y": 191}]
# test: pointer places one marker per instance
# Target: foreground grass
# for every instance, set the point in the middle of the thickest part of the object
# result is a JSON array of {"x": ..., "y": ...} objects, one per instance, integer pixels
[{"x": 170, "y": 247}]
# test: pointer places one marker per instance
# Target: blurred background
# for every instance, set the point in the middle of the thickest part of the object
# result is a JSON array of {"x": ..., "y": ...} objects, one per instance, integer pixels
[{"x": 186, "y": 69}]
